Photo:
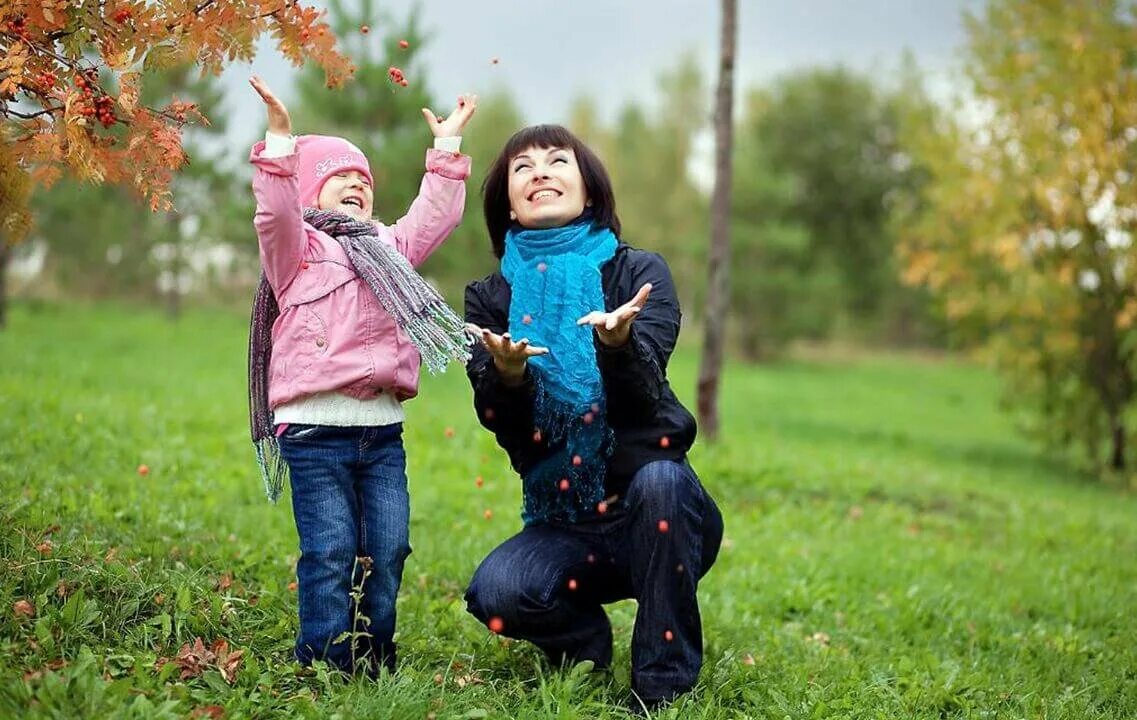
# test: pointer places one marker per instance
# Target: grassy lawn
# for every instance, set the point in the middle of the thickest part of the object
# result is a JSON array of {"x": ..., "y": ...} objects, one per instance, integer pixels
[{"x": 893, "y": 549}]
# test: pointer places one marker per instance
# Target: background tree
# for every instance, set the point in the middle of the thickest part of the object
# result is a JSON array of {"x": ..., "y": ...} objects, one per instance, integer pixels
[
  {"x": 718, "y": 287},
  {"x": 1024, "y": 231}
]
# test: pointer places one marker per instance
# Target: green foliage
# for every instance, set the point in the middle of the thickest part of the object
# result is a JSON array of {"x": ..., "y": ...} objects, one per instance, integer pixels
[
  {"x": 1024, "y": 230},
  {"x": 892, "y": 549}
]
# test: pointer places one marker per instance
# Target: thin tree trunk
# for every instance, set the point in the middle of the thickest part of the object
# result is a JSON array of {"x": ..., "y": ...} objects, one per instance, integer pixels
[
  {"x": 718, "y": 264},
  {"x": 1118, "y": 461},
  {"x": 173, "y": 293},
  {"x": 5, "y": 256}
]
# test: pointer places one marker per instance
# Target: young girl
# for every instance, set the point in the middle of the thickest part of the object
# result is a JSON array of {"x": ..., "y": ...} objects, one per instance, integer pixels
[{"x": 340, "y": 324}]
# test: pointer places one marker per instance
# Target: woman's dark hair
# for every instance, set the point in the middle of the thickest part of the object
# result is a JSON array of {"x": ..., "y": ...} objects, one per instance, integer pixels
[{"x": 495, "y": 188}]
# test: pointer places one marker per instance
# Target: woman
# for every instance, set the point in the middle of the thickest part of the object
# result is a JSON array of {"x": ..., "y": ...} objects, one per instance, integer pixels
[{"x": 581, "y": 403}]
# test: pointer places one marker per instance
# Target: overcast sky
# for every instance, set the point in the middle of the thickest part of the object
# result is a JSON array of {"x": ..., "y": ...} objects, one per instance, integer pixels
[{"x": 551, "y": 51}]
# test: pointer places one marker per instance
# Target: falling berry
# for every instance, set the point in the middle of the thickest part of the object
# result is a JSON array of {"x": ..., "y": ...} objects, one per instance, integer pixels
[
  {"x": 478, "y": 481},
  {"x": 449, "y": 432},
  {"x": 404, "y": 44},
  {"x": 564, "y": 484},
  {"x": 494, "y": 61},
  {"x": 679, "y": 568},
  {"x": 668, "y": 635},
  {"x": 364, "y": 29},
  {"x": 664, "y": 526},
  {"x": 144, "y": 470},
  {"x": 591, "y": 558},
  {"x": 601, "y": 507},
  {"x": 536, "y": 436},
  {"x": 488, "y": 414},
  {"x": 664, "y": 442},
  {"x": 292, "y": 586},
  {"x": 488, "y": 514},
  {"x": 44, "y": 548},
  {"x": 587, "y": 418},
  {"x": 576, "y": 460},
  {"x": 495, "y": 624},
  {"x": 572, "y": 584},
  {"x": 527, "y": 319},
  {"x": 542, "y": 267}
]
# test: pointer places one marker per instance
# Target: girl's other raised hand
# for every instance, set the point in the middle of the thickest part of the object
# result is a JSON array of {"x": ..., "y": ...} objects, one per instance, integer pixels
[{"x": 453, "y": 124}]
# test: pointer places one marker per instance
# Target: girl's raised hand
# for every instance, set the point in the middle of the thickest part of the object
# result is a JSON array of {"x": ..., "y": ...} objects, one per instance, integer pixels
[
  {"x": 278, "y": 121},
  {"x": 452, "y": 126}
]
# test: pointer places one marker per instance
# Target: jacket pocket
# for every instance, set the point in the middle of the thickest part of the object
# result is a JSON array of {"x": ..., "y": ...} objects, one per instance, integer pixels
[{"x": 316, "y": 279}]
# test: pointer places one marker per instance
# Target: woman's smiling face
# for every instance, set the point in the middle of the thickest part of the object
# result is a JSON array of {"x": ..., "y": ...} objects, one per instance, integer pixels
[{"x": 545, "y": 187}]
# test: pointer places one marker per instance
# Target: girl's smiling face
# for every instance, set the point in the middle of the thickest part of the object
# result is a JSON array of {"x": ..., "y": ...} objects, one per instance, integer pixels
[{"x": 348, "y": 192}]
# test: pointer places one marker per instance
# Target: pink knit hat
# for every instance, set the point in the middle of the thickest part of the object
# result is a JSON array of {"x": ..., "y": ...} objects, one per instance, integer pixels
[{"x": 322, "y": 156}]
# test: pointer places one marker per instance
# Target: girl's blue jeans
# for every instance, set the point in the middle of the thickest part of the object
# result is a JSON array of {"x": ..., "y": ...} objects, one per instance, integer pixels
[{"x": 352, "y": 511}]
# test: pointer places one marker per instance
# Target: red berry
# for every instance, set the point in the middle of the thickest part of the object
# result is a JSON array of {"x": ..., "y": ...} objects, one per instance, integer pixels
[
  {"x": 479, "y": 481},
  {"x": 601, "y": 507},
  {"x": 527, "y": 319},
  {"x": 364, "y": 29},
  {"x": 668, "y": 635},
  {"x": 664, "y": 526},
  {"x": 564, "y": 484},
  {"x": 587, "y": 418},
  {"x": 449, "y": 432},
  {"x": 488, "y": 514},
  {"x": 576, "y": 460},
  {"x": 488, "y": 414},
  {"x": 495, "y": 624},
  {"x": 404, "y": 82},
  {"x": 536, "y": 436},
  {"x": 572, "y": 584},
  {"x": 143, "y": 470},
  {"x": 404, "y": 44},
  {"x": 542, "y": 267},
  {"x": 665, "y": 442},
  {"x": 494, "y": 61},
  {"x": 591, "y": 558}
]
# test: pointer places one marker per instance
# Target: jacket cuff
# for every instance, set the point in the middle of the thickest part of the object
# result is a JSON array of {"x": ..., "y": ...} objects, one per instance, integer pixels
[
  {"x": 452, "y": 165},
  {"x": 283, "y": 165}
]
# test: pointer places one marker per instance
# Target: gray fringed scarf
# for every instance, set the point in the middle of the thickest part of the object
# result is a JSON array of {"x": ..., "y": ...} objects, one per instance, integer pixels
[{"x": 434, "y": 328}]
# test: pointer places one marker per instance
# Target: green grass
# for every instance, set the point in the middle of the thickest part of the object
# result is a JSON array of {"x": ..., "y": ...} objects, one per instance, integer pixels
[{"x": 893, "y": 548}]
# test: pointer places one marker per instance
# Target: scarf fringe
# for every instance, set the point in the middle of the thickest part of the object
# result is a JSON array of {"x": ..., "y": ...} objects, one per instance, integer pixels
[
  {"x": 274, "y": 469},
  {"x": 543, "y": 498}
]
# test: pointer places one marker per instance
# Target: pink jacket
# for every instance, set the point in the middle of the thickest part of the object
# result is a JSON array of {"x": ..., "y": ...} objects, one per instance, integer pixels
[{"x": 332, "y": 334}]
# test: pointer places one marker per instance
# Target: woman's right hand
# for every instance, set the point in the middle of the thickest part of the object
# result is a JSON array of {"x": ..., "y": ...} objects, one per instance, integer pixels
[
  {"x": 509, "y": 357},
  {"x": 278, "y": 121}
]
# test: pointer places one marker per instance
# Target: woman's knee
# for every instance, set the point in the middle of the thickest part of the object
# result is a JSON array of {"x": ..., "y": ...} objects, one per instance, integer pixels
[{"x": 663, "y": 484}]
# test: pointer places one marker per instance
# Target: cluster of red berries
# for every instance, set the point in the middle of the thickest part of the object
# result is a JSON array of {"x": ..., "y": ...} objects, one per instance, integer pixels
[
  {"x": 46, "y": 79},
  {"x": 396, "y": 76},
  {"x": 101, "y": 107},
  {"x": 18, "y": 26},
  {"x": 122, "y": 15}
]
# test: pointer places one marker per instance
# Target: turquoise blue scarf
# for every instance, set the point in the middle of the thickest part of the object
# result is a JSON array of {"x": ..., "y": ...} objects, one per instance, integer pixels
[{"x": 554, "y": 276}]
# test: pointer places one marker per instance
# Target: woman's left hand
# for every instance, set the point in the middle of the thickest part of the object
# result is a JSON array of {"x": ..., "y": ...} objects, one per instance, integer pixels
[
  {"x": 614, "y": 328},
  {"x": 452, "y": 125}
]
